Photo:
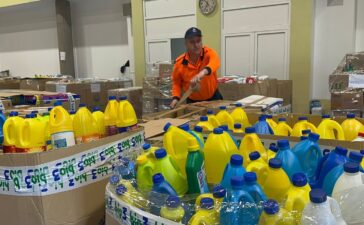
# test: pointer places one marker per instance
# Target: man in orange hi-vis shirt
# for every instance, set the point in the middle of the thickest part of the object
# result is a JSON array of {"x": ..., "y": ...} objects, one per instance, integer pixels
[{"x": 196, "y": 69}]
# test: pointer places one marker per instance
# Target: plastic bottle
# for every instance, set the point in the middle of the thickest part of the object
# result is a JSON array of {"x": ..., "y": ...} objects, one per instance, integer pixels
[
  {"x": 262, "y": 127},
  {"x": 45, "y": 119},
  {"x": 362, "y": 162},
  {"x": 226, "y": 130},
  {"x": 233, "y": 169},
  {"x": 206, "y": 214},
  {"x": 225, "y": 118},
  {"x": 239, "y": 207},
  {"x": 205, "y": 124},
  {"x": 254, "y": 189},
  {"x": 219, "y": 147},
  {"x": 218, "y": 194},
  {"x": 144, "y": 173},
  {"x": 356, "y": 157},
  {"x": 272, "y": 151},
  {"x": 271, "y": 122},
  {"x": 167, "y": 166},
  {"x": 301, "y": 125},
  {"x": 149, "y": 151},
  {"x": 11, "y": 125},
  {"x": 305, "y": 134},
  {"x": 359, "y": 138},
  {"x": 239, "y": 116},
  {"x": 172, "y": 209},
  {"x": 351, "y": 127},
  {"x": 330, "y": 129},
  {"x": 212, "y": 119},
  {"x": 99, "y": 118},
  {"x": 72, "y": 114},
  {"x": 251, "y": 143},
  {"x": 277, "y": 184},
  {"x": 321, "y": 210},
  {"x": 282, "y": 128},
  {"x": 31, "y": 135},
  {"x": 2, "y": 121},
  {"x": 237, "y": 128},
  {"x": 298, "y": 196},
  {"x": 197, "y": 132},
  {"x": 351, "y": 178},
  {"x": 61, "y": 127},
  {"x": 85, "y": 126},
  {"x": 111, "y": 116},
  {"x": 273, "y": 215},
  {"x": 128, "y": 194},
  {"x": 290, "y": 162},
  {"x": 195, "y": 169},
  {"x": 309, "y": 154},
  {"x": 127, "y": 119},
  {"x": 258, "y": 166}
]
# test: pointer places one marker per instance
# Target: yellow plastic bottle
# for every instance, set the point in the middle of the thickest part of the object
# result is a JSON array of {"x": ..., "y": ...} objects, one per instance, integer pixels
[
  {"x": 351, "y": 127},
  {"x": 30, "y": 135},
  {"x": 111, "y": 116},
  {"x": 273, "y": 215},
  {"x": 126, "y": 192},
  {"x": 239, "y": 116},
  {"x": 72, "y": 114},
  {"x": 258, "y": 166},
  {"x": 61, "y": 127},
  {"x": 149, "y": 151},
  {"x": 272, "y": 151},
  {"x": 251, "y": 143},
  {"x": 218, "y": 194},
  {"x": 205, "y": 124},
  {"x": 206, "y": 215},
  {"x": 330, "y": 129},
  {"x": 212, "y": 119},
  {"x": 282, "y": 128},
  {"x": 11, "y": 125},
  {"x": 99, "y": 118},
  {"x": 362, "y": 162},
  {"x": 225, "y": 118},
  {"x": 85, "y": 126},
  {"x": 219, "y": 148},
  {"x": 144, "y": 173},
  {"x": 238, "y": 129},
  {"x": 301, "y": 125},
  {"x": 271, "y": 122},
  {"x": 173, "y": 210},
  {"x": 127, "y": 119},
  {"x": 45, "y": 119}
]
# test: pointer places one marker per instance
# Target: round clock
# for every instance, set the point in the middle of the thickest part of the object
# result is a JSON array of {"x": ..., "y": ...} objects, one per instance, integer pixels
[{"x": 207, "y": 6}]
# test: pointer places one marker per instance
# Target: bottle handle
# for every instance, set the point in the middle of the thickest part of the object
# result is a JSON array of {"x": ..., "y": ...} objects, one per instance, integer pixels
[
  {"x": 339, "y": 131},
  {"x": 25, "y": 134},
  {"x": 311, "y": 127}
]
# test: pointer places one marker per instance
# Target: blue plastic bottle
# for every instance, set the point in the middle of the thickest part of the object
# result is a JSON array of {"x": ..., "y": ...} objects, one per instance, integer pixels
[
  {"x": 254, "y": 189},
  {"x": 262, "y": 127},
  {"x": 234, "y": 168},
  {"x": 308, "y": 152},
  {"x": 186, "y": 127},
  {"x": 290, "y": 162},
  {"x": 239, "y": 207},
  {"x": 2, "y": 121},
  {"x": 356, "y": 157},
  {"x": 226, "y": 129}
]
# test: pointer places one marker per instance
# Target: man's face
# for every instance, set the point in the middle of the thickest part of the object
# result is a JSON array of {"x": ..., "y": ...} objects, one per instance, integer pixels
[{"x": 194, "y": 45}]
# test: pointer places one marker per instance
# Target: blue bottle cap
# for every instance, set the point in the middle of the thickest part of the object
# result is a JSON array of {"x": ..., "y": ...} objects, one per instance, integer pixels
[
  {"x": 76, "y": 96},
  {"x": 120, "y": 189},
  {"x": 160, "y": 153},
  {"x": 275, "y": 163},
  {"x": 237, "y": 126},
  {"x": 318, "y": 196},
  {"x": 271, "y": 207},
  {"x": 282, "y": 119},
  {"x": 356, "y": 157},
  {"x": 299, "y": 179},
  {"x": 238, "y": 104},
  {"x": 167, "y": 126},
  {"x": 302, "y": 138},
  {"x": 29, "y": 116},
  {"x": 236, "y": 160},
  {"x": 351, "y": 167},
  {"x": 57, "y": 103},
  {"x": 210, "y": 112},
  {"x": 34, "y": 112},
  {"x": 122, "y": 98},
  {"x": 198, "y": 129},
  {"x": 112, "y": 97},
  {"x": 72, "y": 112},
  {"x": 237, "y": 181},
  {"x": 273, "y": 148},
  {"x": 306, "y": 132},
  {"x": 326, "y": 116},
  {"x": 114, "y": 179},
  {"x": 96, "y": 108},
  {"x": 262, "y": 118},
  {"x": 350, "y": 116},
  {"x": 254, "y": 155},
  {"x": 250, "y": 130},
  {"x": 49, "y": 109},
  {"x": 82, "y": 105},
  {"x": 173, "y": 201},
  {"x": 302, "y": 118},
  {"x": 123, "y": 129},
  {"x": 326, "y": 151},
  {"x": 207, "y": 203},
  {"x": 13, "y": 113},
  {"x": 283, "y": 143},
  {"x": 269, "y": 116},
  {"x": 218, "y": 131},
  {"x": 341, "y": 150},
  {"x": 314, "y": 137},
  {"x": 146, "y": 146},
  {"x": 362, "y": 152},
  {"x": 224, "y": 127},
  {"x": 204, "y": 118},
  {"x": 250, "y": 177},
  {"x": 185, "y": 127},
  {"x": 158, "y": 178},
  {"x": 219, "y": 191},
  {"x": 222, "y": 107}
]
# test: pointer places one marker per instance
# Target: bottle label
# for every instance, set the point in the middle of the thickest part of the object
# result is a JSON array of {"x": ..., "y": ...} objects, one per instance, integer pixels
[
  {"x": 9, "y": 149},
  {"x": 88, "y": 138},
  {"x": 63, "y": 140},
  {"x": 201, "y": 177}
]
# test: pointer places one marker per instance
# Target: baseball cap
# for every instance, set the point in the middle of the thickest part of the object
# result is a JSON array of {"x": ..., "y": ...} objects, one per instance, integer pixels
[{"x": 193, "y": 32}]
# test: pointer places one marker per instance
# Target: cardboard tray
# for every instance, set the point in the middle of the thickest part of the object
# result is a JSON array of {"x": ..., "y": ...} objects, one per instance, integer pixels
[{"x": 182, "y": 112}]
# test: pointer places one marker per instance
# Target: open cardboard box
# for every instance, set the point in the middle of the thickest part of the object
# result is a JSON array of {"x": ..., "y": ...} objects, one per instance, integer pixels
[
  {"x": 182, "y": 112},
  {"x": 64, "y": 186}
]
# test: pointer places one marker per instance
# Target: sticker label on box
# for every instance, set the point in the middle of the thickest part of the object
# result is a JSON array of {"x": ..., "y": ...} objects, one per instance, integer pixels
[
  {"x": 95, "y": 88},
  {"x": 61, "y": 88}
]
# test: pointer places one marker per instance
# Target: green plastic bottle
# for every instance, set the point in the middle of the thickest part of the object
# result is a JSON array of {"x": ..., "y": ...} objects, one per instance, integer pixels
[{"x": 195, "y": 169}]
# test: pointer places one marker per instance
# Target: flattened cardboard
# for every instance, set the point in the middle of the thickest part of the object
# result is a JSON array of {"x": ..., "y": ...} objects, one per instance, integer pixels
[{"x": 154, "y": 128}]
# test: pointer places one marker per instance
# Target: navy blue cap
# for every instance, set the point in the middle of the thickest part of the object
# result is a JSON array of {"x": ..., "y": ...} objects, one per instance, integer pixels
[
  {"x": 57, "y": 103},
  {"x": 318, "y": 196},
  {"x": 34, "y": 112},
  {"x": 302, "y": 138},
  {"x": 224, "y": 127},
  {"x": 122, "y": 98},
  {"x": 284, "y": 143},
  {"x": 306, "y": 132},
  {"x": 326, "y": 116},
  {"x": 76, "y": 96},
  {"x": 254, "y": 155},
  {"x": 236, "y": 160},
  {"x": 29, "y": 116},
  {"x": 250, "y": 130},
  {"x": 362, "y": 152},
  {"x": 123, "y": 129},
  {"x": 237, "y": 126},
  {"x": 120, "y": 189},
  {"x": 203, "y": 118},
  {"x": 167, "y": 126},
  {"x": 222, "y": 107},
  {"x": 173, "y": 201},
  {"x": 326, "y": 151},
  {"x": 299, "y": 179},
  {"x": 275, "y": 163},
  {"x": 273, "y": 147},
  {"x": 160, "y": 153},
  {"x": 207, "y": 203},
  {"x": 269, "y": 116},
  {"x": 314, "y": 137},
  {"x": 49, "y": 109},
  {"x": 262, "y": 118},
  {"x": 238, "y": 104},
  {"x": 185, "y": 127},
  {"x": 96, "y": 108},
  {"x": 350, "y": 116},
  {"x": 82, "y": 105},
  {"x": 302, "y": 118},
  {"x": 250, "y": 177},
  {"x": 193, "y": 32},
  {"x": 219, "y": 191},
  {"x": 72, "y": 112},
  {"x": 356, "y": 157},
  {"x": 146, "y": 146},
  {"x": 158, "y": 178},
  {"x": 282, "y": 119},
  {"x": 209, "y": 112},
  {"x": 237, "y": 181},
  {"x": 271, "y": 207},
  {"x": 351, "y": 167},
  {"x": 13, "y": 113},
  {"x": 218, "y": 131},
  {"x": 341, "y": 150},
  {"x": 112, "y": 97},
  {"x": 114, "y": 179},
  {"x": 198, "y": 129}
]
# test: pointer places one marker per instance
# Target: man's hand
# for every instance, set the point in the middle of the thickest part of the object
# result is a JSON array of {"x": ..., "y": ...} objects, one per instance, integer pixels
[
  {"x": 173, "y": 103},
  {"x": 196, "y": 79}
]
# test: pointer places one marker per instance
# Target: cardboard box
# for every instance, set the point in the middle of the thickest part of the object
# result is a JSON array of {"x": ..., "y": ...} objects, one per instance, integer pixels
[
  {"x": 36, "y": 84},
  {"x": 6, "y": 83},
  {"x": 347, "y": 100},
  {"x": 182, "y": 112},
  {"x": 134, "y": 95},
  {"x": 64, "y": 186}
]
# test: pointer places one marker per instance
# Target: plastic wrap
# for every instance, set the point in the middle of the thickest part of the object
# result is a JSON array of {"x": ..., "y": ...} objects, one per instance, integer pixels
[{"x": 157, "y": 94}]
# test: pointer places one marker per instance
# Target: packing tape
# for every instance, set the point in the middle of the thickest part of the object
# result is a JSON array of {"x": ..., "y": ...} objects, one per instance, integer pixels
[{"x": 70, "y": 172}]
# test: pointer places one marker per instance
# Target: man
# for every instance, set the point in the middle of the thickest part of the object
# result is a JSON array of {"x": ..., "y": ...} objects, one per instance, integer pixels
[{"x": 196, "y": 69}]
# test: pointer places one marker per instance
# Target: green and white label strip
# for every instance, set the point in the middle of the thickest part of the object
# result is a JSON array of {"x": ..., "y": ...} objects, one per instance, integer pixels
[{"x": 67, "y": 173}]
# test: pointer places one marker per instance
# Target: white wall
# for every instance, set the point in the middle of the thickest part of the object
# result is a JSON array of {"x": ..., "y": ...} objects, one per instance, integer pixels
[
  {"x": 359, "y": 46},
  {"x": 28, "y": 39},
  {"x": 100, "y": 36}
]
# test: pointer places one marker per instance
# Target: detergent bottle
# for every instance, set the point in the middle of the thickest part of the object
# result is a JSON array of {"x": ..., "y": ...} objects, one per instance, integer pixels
[
  {"x": 234, "y": 168},
  {"x": 351, "y": 178},
  {"x": 111, "y": 116},
  {"x": 305, "y": 134},
  {"x": 197, "y": 135},
  {"x": 206, "y": 214},
  {"x": 277, "y": 184},
  {"x": 128, "y": 194},
  {"x": 99, "y": 118},
  {"x": 321, "y": 210},
  {"x": 149, "y": 151},
  {"x": 45, "y": 119},
  {"x": 237, "y": 128},
  {"x": 225, "y": 118},
  {"x": 167, "y": 166},
  {"x": 2, "y": 121},
  {"x": 272, "y": 151},
  {"x": 351, "y": 127},
  {"x": 61, "y": 127},
  {"x": 212, "y": 119},
  {"x": 359, "y": 138},
  {"x": 298, "y": 196},
  {"x": 290, "y": 162},
  {"x": 330, "y": 129},
  {"x": 273, "y": 124},
  {"x": 251, "y": 143},
  {"x": 197, "y": 132},
  {"x": 127, "y": 119},
  {"x": 10, "y": 128},
  {"x": 219, "y": 147},
  {"x": 254, "y": 189},
  {"x": 195, "y": 169},
  {"x": 218, "y": 195},
  {"x": 239, "y": 207},
  {"x": 85, "y": 127},
  {"x": 144, "y": 173},
  {"x": 205, "y": 124},
  {"x": 262, "y": 127},
  {"x": 301, "y": 125},
  {"x": 226, "y": 130},
  {"x": 282, "y": 128},
  {"x": 239, "y": 116},
  {"x": 258, "y": 166},
  {"x": 309, "y": 154},
  {"x": 362, "y": 162},
  {"x": 273, "y": 215},
  {"x": 172, "y": 209},
  {"x": 30, "y": 135}
]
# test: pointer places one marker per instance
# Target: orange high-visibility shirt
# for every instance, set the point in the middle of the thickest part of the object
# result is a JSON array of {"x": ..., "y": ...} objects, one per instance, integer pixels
[{"x": 184, "y": 70}]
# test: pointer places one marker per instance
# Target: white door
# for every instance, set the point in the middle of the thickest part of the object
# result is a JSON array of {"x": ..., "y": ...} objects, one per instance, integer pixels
[{"x": 159, "y": 51}]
